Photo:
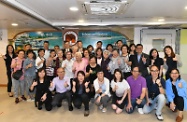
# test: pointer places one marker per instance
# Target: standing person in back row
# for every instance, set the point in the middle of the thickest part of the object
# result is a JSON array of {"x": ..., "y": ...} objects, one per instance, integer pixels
[
  {"x": 141, "y": 60},
  {"x": 46, "y": 48}
]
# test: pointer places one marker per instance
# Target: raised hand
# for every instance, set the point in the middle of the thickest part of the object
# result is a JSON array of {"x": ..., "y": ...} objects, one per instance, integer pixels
[
  {"x": 34, "y": 84},
  {"x": 74, "y": 83},
  {"x": 86, "y": 84}
]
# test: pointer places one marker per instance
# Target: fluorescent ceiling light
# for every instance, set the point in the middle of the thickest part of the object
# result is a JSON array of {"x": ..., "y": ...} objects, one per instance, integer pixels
[
  {"x": 185, "y": 7},
  {"x": 73, "y": 8},
  {"x": 161, "y": 20},
  {"x": 81, "y": 21},
  {"x": 14, "y": 24}
]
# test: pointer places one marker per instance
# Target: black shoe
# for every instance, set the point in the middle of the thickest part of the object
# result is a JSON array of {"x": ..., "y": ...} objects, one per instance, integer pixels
[
  {"x": 23, "y": 98},
  {"x": 86, "y": 113},
  {"x": 71, "y": 108},
  {"x": 59, "y": 105},
  {"x": 17, "y": 100}
]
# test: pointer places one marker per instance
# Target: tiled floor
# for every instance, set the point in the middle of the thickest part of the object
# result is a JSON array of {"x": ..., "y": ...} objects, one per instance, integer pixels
[{"x": 26, "y": 112}]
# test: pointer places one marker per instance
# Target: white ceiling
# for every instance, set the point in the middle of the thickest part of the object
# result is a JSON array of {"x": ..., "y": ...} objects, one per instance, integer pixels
[{"x": 57, "y": 13}]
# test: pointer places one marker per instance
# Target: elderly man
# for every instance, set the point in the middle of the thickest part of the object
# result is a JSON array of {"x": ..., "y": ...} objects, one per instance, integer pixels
[{"x": 62, "y": 85}]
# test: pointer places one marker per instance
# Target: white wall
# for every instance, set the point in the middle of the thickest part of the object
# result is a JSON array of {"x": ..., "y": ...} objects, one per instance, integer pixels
[{"x": 4, "y": 41}]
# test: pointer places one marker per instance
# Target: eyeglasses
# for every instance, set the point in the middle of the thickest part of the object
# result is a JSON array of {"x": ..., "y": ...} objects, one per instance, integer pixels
[{"x": 154, "y": 70}]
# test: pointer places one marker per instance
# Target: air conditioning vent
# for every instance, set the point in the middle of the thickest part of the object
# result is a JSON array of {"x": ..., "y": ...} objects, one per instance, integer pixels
[{"x": 104, "y": 7}]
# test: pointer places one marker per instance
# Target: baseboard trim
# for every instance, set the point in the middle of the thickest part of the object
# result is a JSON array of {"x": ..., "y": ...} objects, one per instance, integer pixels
[{"x": 3, "y": 85}]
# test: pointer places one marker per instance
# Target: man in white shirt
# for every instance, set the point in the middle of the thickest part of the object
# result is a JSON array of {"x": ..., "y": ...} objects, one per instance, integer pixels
[
  {"x": 46, "y": 48},
  {"x": 68, "y": 65}
]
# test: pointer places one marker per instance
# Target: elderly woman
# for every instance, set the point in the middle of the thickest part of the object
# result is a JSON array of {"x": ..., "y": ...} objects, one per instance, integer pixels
[
  {"x": 116, "y": 62},
  {"x": 176, "y": 92},
  {"x": 78, "y": 64},
  {"x": 17, "y": 64},
  {"x": 104, "y": 64}
]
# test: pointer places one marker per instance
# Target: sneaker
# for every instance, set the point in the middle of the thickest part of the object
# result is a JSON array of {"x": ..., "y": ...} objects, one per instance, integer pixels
[
  {"x": 29, "y": 100},
  {"x": 17, "y": 100},
  {"x": 86, "y": 113},
  {"x": 140, "y": 111},
  {"x": 159, "y": 117},
  {"x": 101, "y": 107},
  {"x": 23, "y": 98},
  {"x": 104, "y": 110}
]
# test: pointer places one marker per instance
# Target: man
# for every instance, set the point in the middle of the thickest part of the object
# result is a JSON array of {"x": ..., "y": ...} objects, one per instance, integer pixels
[
  {"x": 62, "y": 85},
  {"x": 56, "y": 48},
  {"x": 137, "y": 93},
  {"x": 66, "y": 48},
  {"x": 28, "y": 47},
  {"x": 80, "y": 46},
  {"x": 155, "y": 95},
  {"x": 46, "y": 48},
  {"x": 67, "y": 64},
  {"x": 99, "y": 44},
  {"x": 141, "y": 60}
]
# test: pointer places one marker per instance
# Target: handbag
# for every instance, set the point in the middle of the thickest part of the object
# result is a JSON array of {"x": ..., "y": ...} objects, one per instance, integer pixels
[{"x": 18, "y": 73}]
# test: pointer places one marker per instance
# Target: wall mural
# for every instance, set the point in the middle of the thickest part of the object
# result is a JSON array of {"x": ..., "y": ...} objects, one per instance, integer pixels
[
  {"x": 36, "y": 39},
  {"x": 107, "y": 37}
]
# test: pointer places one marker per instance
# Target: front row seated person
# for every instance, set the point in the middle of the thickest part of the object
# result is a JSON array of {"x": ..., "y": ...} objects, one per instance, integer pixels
[
  {"x": 102, "y": 90},
  {"x": 42, "y": 95},
  {"x": 155, "y": 93},
  {"x": 81, "y": 92},
  {"x": 62, "y": 85},
  {"x": 176, "y": 93},
  {"x": 120, "y": 88},
  {"x": 137, "y": 93}
]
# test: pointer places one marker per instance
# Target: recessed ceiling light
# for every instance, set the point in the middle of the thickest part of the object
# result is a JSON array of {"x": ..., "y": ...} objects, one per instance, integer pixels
[
  {"x": 81, "y": 21},
  {"x": 161, "y": 20},
  {"x": 73, "y": 8},
  {"x": 185, "y": 7},
  {"x": 14, "y": 24}
]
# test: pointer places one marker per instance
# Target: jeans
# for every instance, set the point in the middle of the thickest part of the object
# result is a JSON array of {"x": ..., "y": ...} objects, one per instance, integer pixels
[
  {"x": 104, "y": 100},
  {"x": 134, "y": 104},
  {"x": 159, "y": 101},
  {"x": 18, "y": 86},
  {"x": 57, "y": 101},
  {"x": 29, "y": 81}
]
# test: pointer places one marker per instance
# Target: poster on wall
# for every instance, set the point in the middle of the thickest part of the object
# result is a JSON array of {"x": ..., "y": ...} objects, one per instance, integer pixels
[
  {"x": 36, "y": 39},
  {"x": 107, "y": 37}
]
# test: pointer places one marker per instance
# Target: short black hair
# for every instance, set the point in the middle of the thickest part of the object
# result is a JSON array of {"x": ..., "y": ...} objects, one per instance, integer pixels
[
  {"x": 56, "y": 46},
  {"x": 28, "y": 44},
  {"x": 41, "y": 49},
  {"x": 46, "y": 42},
  {"x": 109, "y": 45},
  {"x": 52, "y": 51},
  {"x": 79, "y": 41},
  {"x": 66, "y": 42},
  {"x": 119, "y": 41},
  {"x": 100, "y": 42},
  {"x": 139, "y": 45},
  {"x": 21, "y": 50},
  {"x": 100, "y": 70},
  {"x": 29, "y": 51}
]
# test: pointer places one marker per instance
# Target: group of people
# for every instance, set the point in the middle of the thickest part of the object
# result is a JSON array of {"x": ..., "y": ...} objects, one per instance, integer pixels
[{"x": 122, "y": 74}]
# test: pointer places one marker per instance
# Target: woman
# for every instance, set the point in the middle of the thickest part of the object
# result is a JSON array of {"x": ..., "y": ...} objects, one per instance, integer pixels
[
  {"x": 102, "y": 90},
  {"x": 132, "y": 49},
  {"x": 59, "y": 61},
  {"x": 17, "y": 64},
  {"x": 90, "y": 49},
  {"x": 176, "y": 92},
  {"x": 42, "y": 95},
  {"x": 127, "y": 61},
  {"x": 79, "y": 64},
  {"x": 156, "y": 60},
  {"x": 40, "y": 60},
  {"x": 104, "y": 64},
  {"x": 116, "y": 62},
  {"x": 10, "y": 54},
  {"x": 119, "y": 87},
  {"x": 81, "y": 90},
  {"x": 29, "y": 75},
  {"x": 86, "y": 56},
  {"x": 91, "y": 72},
  {"x": 99, "y": 55},
  {"x": 50, "y": 65}
]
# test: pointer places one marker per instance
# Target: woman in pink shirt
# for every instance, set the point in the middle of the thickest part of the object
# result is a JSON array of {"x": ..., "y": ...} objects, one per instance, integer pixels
[
  {"x": 86, "y": 56},
  {"x": 17, "y": 64},
  {"x": 79, "y": 64}
]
